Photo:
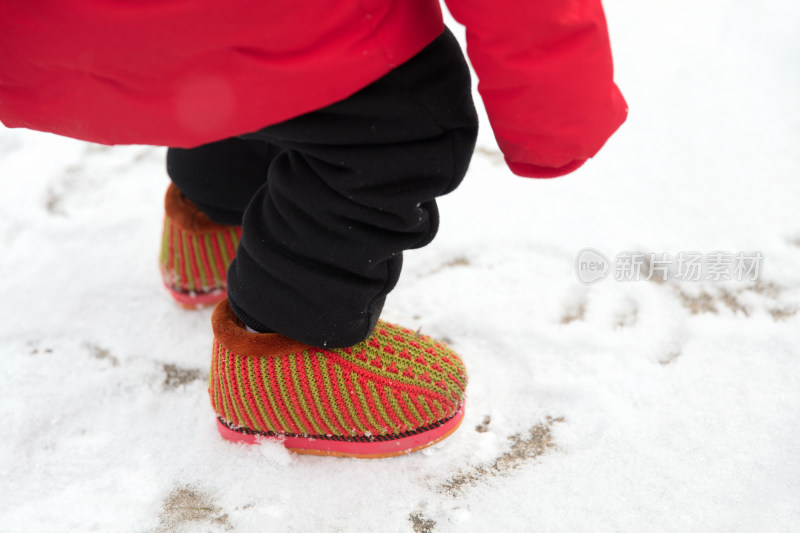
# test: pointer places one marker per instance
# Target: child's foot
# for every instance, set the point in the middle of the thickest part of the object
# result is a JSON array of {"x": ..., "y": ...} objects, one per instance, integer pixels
[
  {"x": 195, "y": 252},
  {"x": 394, "y": 393}
]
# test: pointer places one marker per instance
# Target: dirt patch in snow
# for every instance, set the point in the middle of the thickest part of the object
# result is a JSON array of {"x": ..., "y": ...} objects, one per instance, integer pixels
[
  {"x": 779, "y": 314},
  {"x": 524, "y": 449},
  {"x": 628, "y": 318},
  {"x": 576, "y": 313},
  {"x": 714, "y": 299},
  {"x": 452, "y": 263},
  {"x": 101, "y": 353},
  {"x": 421, "y": 523},
  {"x": 187, "y": 506},
  {"x": 483, "y": 427},
  {"x": 60, "y": 189},
  {"x": 670, "y": 358},
  {"x": 175, "y": 376},
  {"x": 34, "y": 349}
]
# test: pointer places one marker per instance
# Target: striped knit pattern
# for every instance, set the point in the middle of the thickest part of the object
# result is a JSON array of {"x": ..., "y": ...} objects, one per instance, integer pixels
[
  {"x": 393, "y": 384},
  {"x": 197, "y": 262}
]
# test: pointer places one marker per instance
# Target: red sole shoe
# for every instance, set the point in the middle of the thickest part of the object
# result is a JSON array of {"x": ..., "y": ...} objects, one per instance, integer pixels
[
  {"x": 396, "y": 392},
  {"x": 195, "y": 253},
  {"x": 194, "y": 300},
  {"x": 360, "y": 449}
]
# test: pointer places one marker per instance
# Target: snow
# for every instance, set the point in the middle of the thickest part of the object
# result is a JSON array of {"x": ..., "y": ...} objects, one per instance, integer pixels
[{"x": 613, "y": 407}]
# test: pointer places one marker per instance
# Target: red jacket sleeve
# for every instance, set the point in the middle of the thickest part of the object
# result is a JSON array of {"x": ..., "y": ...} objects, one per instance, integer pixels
[{"x": 546, "y": 77}]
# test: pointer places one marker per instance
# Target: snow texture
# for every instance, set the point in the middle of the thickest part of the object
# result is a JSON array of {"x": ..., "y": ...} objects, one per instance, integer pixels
[{"x": 614, "y": 407}]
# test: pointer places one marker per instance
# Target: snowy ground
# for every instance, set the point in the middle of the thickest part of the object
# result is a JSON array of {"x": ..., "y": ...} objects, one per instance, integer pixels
[{"x": 616, "y": 407}]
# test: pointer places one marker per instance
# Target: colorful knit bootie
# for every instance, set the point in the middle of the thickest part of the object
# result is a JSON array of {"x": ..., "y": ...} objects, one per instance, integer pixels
[
  {"x": 195, "y": 252},
  {"x": 394, "y": 393}
]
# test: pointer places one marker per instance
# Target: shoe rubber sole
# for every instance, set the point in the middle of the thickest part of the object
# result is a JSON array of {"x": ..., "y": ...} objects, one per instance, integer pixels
[
  {"x": 375, "y": 449},
  {"x": 195, "y": 300}
]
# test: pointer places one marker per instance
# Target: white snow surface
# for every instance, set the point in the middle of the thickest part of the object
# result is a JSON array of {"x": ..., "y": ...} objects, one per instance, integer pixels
[{"x": 659, "y": 407}]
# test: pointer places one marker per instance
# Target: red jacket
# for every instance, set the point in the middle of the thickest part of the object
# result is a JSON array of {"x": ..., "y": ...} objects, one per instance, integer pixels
[{"x": 187, "y": 72}]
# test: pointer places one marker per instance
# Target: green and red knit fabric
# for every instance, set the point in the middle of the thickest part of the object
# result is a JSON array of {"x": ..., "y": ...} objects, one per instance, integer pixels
[
  {"x": 394, "y": 383},
  {"x": 195, "y": 252}
]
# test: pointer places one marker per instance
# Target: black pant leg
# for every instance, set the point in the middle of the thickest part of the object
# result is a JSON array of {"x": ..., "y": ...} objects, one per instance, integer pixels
[
  {"x": 221, "y": 177},
  {"x": 353, "y": 186}
]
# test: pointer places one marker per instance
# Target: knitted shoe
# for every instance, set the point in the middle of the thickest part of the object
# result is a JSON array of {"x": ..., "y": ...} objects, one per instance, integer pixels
[
  {"x": 195, "y": 252},
  {"x": 392, "y": 394}
]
